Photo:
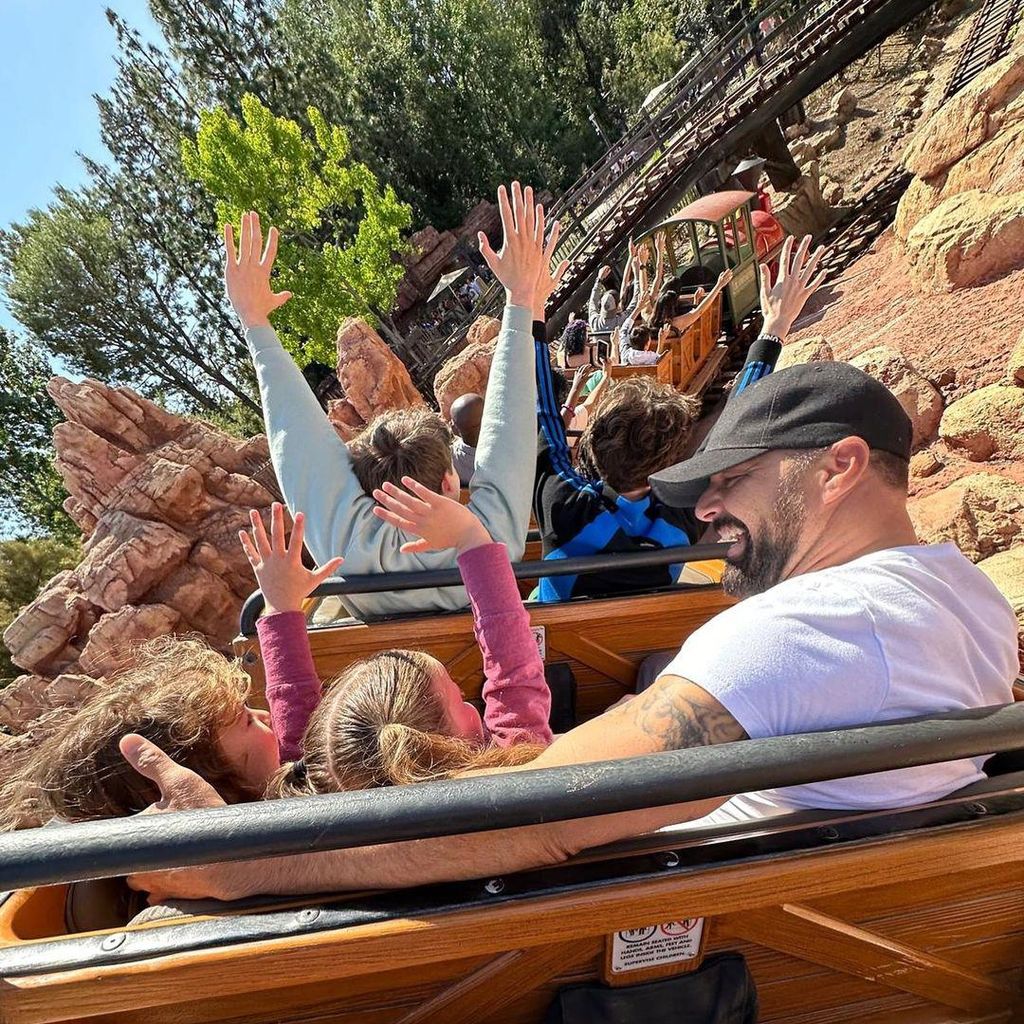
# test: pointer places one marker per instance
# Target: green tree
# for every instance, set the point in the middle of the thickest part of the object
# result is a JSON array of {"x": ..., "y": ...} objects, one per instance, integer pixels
[
  {"x": 340, "y": 229},
  {"x": 31, "y": 491},
  {"x": 647, "y": 50},
  {"x": 444, "y": 100},
  {"x": 79, "y": 282},
  {"x": 25, "y": 566}
]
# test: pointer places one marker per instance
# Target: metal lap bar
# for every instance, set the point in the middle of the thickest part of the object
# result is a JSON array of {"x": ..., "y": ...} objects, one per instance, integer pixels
[
  {"x": 649, "y": 857},
  {"x": 454, "y": 807},
  {"x": 378, "y": 583}
]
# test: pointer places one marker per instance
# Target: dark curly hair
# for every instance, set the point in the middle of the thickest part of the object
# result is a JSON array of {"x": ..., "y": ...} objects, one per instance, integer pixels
[
  {"x": 639, "y": 428},
  {"x": 574, "y": 338}
]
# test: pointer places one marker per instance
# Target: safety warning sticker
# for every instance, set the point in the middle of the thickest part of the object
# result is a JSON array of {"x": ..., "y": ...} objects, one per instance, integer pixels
[{"x": 670, "y": 943}]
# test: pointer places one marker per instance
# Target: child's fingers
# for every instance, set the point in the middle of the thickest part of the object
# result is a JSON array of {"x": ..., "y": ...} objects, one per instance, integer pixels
[
  {"x": 277, "y": 528},
  {"x": 399, "y": 502},
  {"x": 298, "y": 536},
  {"x": 409, "y": 498},
  {"x": 411, "y": 547},
  {"x": 424, "y": 493},
  {"x": 394, "y": 519},
  {"x": 249, "y": 548},
  {"x": 326, "y": 571},
  {"x": 259, "y": 534}
]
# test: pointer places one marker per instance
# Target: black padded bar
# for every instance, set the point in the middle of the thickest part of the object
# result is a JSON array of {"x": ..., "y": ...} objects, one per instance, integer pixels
[
  {"x": 340, "y": 821},
  {"x": 386, "y": 582}
]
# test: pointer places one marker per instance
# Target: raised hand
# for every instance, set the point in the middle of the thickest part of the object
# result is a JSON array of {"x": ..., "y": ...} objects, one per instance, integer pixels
[
  {"x": 282, "y": 577},
  {"x": 518, "y": 265},
  {"x": 437, "y": 521},
  {"x": 247, "y": 272},
  {"x": 783, "y": 300},
  {"x": 549, "y": 279}
]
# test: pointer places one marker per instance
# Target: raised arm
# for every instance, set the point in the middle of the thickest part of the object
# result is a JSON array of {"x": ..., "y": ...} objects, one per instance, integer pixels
[
  {"x": 292, "y": 685},
  {"x": 517, "y": 701},
  {"x": 673, "y": 713},
  {"x": 781, "y": 305},
  {"x": 310, "y": 460},
  {"x": 502, "y": 484}
]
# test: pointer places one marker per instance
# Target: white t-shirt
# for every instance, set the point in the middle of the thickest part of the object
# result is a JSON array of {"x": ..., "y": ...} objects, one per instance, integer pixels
[{"x": 900, "y": 632}]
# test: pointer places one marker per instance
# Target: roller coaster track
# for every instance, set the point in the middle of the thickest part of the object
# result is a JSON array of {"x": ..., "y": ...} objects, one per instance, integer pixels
[
  {"x": 708, "y": 109},
  {"x": 718, "y": 100},
  {"x": 991, "y": 35}
]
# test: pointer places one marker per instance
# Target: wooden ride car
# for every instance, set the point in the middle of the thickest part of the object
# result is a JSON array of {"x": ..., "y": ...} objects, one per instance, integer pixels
[
  {"x": 599, "y": 641},
  {"x": 915, "y": 914},
  {"x": 712, "y": 234}
]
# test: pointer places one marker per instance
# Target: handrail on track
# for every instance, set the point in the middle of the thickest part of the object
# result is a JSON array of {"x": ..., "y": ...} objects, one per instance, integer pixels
[
  {"x": 339, "y": 821},
  {"x": 430, "y": 579}
]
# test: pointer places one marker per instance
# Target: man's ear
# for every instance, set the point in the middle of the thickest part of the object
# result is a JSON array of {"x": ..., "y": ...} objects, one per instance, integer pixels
[{"x": 845, "y": 465}]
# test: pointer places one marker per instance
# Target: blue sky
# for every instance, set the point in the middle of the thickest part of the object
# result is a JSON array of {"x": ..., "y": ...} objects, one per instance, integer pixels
[{"x": 54, "y": 54}]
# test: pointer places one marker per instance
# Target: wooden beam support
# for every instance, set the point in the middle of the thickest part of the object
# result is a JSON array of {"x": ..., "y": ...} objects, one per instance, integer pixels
[
  {"x": 736, "y": 890},
  {"x": 807, "y": 934},
  {"x": 500, "y": 982},
  {"x": 592, "y": 654}
]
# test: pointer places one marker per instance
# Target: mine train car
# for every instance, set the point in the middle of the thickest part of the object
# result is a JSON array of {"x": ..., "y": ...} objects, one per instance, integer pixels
[
  {"x": 717, "y": 232},
  {"x": 912, "y": 915}
]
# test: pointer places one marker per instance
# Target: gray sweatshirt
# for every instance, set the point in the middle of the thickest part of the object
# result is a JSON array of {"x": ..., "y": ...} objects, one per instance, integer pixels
[{"x": 314, "y": 469}]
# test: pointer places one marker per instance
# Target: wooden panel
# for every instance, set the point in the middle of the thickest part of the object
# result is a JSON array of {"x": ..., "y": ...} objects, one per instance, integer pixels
[
  {"x": 499, "y": 982},
  {"x": 360, "y": 952},
  {"x": 810, "y": 935},
  {"x": 604, "y": 640}
]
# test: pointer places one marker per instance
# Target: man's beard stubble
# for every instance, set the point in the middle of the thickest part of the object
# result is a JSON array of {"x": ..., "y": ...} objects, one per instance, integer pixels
[{"x": 764, "y": 559}]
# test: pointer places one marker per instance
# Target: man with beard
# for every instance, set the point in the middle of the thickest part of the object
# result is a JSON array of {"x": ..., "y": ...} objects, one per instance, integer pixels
[{"x": 844, "y": 620}]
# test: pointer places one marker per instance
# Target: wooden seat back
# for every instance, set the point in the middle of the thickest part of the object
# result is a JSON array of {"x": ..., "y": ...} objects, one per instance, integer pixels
[
  {"x": 602, "y": 640},
  {"x": 691, "y": 338},
  {"x": 660, "y": 371}
]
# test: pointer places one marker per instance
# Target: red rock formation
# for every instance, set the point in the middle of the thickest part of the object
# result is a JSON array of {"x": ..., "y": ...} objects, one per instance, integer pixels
[
  {"x": 160, "y": 500},
  {"x": 962, "y": 218},
  {"x": 467, "y": 372},
  {"x": 373, "y": 377}
]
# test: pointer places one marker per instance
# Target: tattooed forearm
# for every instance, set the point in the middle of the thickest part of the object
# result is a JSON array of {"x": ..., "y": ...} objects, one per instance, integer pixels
[{"x": 676, "y": 713}]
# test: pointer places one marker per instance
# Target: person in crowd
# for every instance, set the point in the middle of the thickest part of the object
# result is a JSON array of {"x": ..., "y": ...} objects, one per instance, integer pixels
[
  {"x": 601, "y": 309},
  {"x": 467, "y": 414},
  {"x": 319, "y": 474},
  {"x": 398, "y": 717},
  {"x": 573, "y": 345},
  {"x": 843, "y": 619},
  {"x": 602, "y": 284},
  {"x": 603, "y": 501},
  {"x": 188, "y": 698}
]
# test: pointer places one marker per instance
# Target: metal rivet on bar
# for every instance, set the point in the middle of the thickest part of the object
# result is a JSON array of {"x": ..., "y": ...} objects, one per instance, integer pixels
[
  {"x": 308, "y": 915},
  {"x": 495, "y": 886},
  {"x": 668, "y": 859},
  {"x": 113, "y": 941}
]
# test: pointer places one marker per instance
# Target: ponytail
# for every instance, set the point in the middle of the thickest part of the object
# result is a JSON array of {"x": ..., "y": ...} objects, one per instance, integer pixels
[
  {"x": 291, "y": 779},
  {"x": 382, "y": 724}
]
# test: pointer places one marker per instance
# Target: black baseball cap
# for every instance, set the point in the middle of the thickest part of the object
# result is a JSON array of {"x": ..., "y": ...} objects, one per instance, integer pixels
[{"x": 812, "y": 405}]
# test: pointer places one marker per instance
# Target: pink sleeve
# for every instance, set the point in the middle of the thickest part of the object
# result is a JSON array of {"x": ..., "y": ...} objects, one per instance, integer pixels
[
  {"x": 517, "y": 701},
  {"x": 293, "y": 687}
]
